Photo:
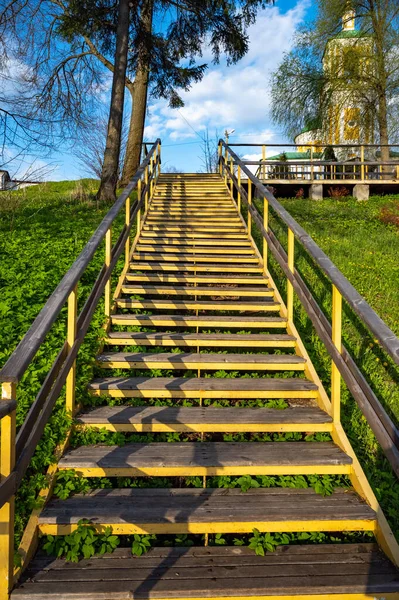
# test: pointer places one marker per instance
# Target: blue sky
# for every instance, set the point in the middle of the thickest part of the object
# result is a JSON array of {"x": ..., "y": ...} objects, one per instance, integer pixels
[{"x": 235, "y": 97}]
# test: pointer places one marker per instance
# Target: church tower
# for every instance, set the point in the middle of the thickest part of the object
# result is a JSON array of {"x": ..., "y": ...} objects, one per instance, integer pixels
[{"x": 347, "y": 121}]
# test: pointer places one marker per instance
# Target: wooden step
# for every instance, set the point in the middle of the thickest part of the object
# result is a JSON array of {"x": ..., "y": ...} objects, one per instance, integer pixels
[
  {"x": 179, "y": 290},
  {"x": 317, "y": 571},
  {"x": 203, "y": 387},
  {"x": 197, "y": 235},
  {"x": 196, "y": 250},
  {"x": 193, "y": 222},
  {"x": 175, "y": 203},
  {"x": 236, "y": 322},
  {"x": 141, "y": 265},
  {"x": 207, "y": 340},
  {"x": 163, "y": 211},
  {"x": 215, "y": 217},
  {"x": 185, "y": 459},
  {"x": 189, "y": 258},
  {"x": 190, "y": 242},
  {"x": 249, "y": 306},
  {"x": 199, "y": 279},
  {"x": 195, "y": 360},
  {"x": 156, "y": 419},
  {"x": 196, "y": 228},
  {"x": 176, "y": 511}
]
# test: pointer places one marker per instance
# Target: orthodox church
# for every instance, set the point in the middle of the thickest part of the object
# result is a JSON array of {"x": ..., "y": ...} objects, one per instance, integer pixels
[{"x": 348, "y": 122}]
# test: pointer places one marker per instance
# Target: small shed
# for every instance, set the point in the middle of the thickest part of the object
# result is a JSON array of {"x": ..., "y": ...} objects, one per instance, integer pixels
[{"x": 5, "y": 180}]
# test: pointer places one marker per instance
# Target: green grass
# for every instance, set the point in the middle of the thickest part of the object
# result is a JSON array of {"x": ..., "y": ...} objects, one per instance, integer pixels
[
  {"x": 363, "y": 248},
  {"x": 42, "y": 231},
  {"x": 44, "y": 228},
  {"x": 366, "y": 251}
]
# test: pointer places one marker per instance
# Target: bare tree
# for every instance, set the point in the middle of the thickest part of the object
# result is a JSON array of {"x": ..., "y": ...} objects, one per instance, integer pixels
[
  {"x": 89, "y": 148},
  {"x": 209, "y": 149}
]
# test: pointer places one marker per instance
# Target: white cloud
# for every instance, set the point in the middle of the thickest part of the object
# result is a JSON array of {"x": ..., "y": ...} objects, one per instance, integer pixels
[{"x": 238, "y": 96}]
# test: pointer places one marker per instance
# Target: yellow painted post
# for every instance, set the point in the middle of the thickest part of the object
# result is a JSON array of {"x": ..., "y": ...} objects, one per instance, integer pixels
[
  {"x": 337, "y": 341},
  {"x": 138, "y": 226},
  {"x": 290, "y": 289},
  {"x": 127, "y": 223},
  {"x": 249, "y": 204},
  {"x": 266, "y": 226},
  {"x": 225, "y": 162},
  {"x": 108, "y": 246},
  {"x": 311, "y": 166},
  {"x": 239, "y": 188},
  {"x": 146, "y": 187},
  {"x": 362, "y": 161},
  {"x": 220, "y": 157},
  {"x": 151, "y": 170},
  {"x": 7, "y": 463},
  {"x": 71, "y": 336},
  {"x": 231, "y": 179},
  {"x": 159, "y": 157},
  {"x": 263, "y": 160}
]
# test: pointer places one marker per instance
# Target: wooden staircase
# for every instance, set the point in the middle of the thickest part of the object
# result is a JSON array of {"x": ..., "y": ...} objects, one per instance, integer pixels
[{"x": 198, "y": 324}]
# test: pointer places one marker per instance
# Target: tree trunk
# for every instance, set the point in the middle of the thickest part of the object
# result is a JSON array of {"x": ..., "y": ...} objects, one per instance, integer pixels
[
  {"x": 379, "y": 19},
  {"x": 384, "y": 135},
  {"x": 109, "y": 175},
  {"x": 139, "y": 93}
]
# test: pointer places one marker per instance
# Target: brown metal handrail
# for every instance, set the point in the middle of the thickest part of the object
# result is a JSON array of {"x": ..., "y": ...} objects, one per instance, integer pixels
[
  {"x": 382, "y": 425},
  {"x": 14, "y": 369}
]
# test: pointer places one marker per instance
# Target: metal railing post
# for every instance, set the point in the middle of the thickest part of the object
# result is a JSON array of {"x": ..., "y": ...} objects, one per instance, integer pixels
[
  {"x": 362, "y": 161},
  {"x": 127, "y": 223},
  {"x": 71, "y": 337},
  {"x": 159, "y": 158},
  {"x": 146, "y": 188},
  {"x": 263, "y": 160},
  {"x": 231, "y": 178},
  {"x": 266, "y": 226},
  {"x": 249, "y": 204},
  {"x": 239, "y": 188},
  {"x": 311, "y": 165},
  {"x": 337, "y": 341},
  {"x": 151, "y": 172},
  {"x": 220, "y": 158},
  {"x": 107, "y": 291},
  {"x": 290, "y": 289},
  {"x": 7, "y": 464}
]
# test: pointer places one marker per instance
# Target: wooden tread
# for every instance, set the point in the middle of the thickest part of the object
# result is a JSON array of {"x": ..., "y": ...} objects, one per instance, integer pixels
[
  {"x": 195, "y": 360},
  {"x": 343, "y": 571},
  {"x": 190, "y": 242},
  {"x": 238, "y": 340},
  {"x": 191, "y": 510},
  {"x": 187, "y": 257},
  {"x": 207, "y": 458},
  {"x": 180, "y": 290},
  {"x": 199, "y": 305},
  {"x": 204, "y": 387},
  {"x": 141, "y": 265},
  {"x": 198, "y": 279},
  {"x": 196, "y": 235},
  {"x": 198, "y": 249},
  {"x": 236, "y": 322},
  {"x": 200, "y": 419}
]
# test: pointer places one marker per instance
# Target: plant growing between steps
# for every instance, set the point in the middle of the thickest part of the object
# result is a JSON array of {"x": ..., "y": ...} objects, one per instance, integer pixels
[
  {"x": 142, "y": 544},
  {"x": 84, "y": 542}
]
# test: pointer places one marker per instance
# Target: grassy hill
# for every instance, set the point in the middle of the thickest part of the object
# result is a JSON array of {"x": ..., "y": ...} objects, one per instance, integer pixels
[{"x": 43, "y": 229}]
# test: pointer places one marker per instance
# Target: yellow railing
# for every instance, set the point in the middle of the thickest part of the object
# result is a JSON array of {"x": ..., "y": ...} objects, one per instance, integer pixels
[
  {"x": 17, "y": 450},
  {"x": 329, "y": 332}
]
